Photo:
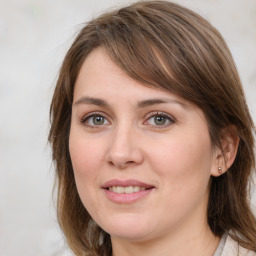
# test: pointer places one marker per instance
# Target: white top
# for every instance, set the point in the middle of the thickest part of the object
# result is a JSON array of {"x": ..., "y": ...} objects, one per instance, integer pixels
[{"x": 229, "y": 247}]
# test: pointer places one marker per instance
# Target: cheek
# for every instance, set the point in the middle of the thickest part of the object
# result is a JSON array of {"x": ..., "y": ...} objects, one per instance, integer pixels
[
  {"x": 184, "y": 160},
  {"x": 85, "y": 154},
  {"x": 183, "y": 169},
  {"x": 86, "y": 158},
  {"x": 86, "y": 164}
]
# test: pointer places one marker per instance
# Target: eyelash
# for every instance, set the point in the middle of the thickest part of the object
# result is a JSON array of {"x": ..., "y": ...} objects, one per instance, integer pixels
[
  {"x": 85, "y": 119},
  {"x": 168, "y": 118}
]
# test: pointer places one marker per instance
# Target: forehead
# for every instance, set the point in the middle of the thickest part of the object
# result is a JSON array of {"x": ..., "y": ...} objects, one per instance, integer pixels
[
  {"x": 100, "y": 76},
  {"x": 99, "y": 72}
]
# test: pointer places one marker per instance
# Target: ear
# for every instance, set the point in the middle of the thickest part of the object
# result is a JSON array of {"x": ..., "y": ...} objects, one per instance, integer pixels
[{"x": 225, "y": 156}]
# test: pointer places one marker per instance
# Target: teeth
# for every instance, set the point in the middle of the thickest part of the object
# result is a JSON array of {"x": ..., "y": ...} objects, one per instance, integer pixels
[
  {"x": 136, "y": 189},
  {"x": 119, "y": 190},
  {"x": 126, "y": 190}
]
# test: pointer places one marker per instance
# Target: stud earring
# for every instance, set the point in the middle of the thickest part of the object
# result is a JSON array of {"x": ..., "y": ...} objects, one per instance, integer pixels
[{"x": 220, "y": 170}]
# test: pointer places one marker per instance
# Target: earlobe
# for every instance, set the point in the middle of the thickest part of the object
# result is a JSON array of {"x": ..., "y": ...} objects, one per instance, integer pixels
[{"x": 226, "y": 155}]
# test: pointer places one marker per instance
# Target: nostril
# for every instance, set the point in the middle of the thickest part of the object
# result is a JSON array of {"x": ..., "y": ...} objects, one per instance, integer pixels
[
  {"x": 111, "y": 163},
  {"x": 124, "y": 159},
  {"x": 121, "y": 165}
]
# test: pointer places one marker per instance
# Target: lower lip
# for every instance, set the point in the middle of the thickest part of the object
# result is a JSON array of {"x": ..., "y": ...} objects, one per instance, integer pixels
[{"x": 127, "y": 198}]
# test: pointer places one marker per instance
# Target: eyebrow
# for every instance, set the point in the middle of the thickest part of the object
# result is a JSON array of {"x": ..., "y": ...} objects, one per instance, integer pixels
[
  {"x": 92, "y": 101},
  {"x": 150, "y": 102},
  {"x": 140, "y": 104}
]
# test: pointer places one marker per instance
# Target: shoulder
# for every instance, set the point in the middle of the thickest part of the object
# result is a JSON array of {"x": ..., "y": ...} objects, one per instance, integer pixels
[{"x": 232, "y": 248}]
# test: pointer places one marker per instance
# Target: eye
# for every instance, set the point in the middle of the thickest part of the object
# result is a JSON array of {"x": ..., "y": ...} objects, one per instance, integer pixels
[
  {"x": 94, "y": 120},
  {"x": 160, "y": 120}
]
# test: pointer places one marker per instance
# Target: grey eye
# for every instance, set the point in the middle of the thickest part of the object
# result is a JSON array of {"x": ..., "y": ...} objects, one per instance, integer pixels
[
  {"x": 160, "y": 120},
  {"x": 98, "y": 120},
  {"x": 95, "y": 120}
]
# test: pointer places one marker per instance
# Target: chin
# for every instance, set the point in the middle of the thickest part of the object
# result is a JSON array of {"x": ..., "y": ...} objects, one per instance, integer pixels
[{"x": 128, "y": 227}]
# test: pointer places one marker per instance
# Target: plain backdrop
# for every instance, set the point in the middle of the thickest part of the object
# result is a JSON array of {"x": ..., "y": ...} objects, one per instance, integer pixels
[{"x": 34, "y": 36}]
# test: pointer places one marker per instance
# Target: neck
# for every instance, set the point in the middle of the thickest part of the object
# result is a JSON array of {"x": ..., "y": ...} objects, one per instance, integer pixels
[{"x": 180, "y": 243}]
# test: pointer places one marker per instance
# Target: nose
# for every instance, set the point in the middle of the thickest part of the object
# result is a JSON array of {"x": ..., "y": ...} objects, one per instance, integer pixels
[{"x": 125, "y": 149}]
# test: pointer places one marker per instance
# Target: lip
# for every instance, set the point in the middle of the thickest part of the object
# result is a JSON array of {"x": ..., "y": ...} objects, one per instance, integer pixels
[
  {"x": 126, "y": 183},
  {"x": 127, "y": 198}
]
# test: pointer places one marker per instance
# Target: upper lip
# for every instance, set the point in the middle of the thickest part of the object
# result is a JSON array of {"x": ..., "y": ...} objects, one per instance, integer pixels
[{"x": 126, "y": 183}]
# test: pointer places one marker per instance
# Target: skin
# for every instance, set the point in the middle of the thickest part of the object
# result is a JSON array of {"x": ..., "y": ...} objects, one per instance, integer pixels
[{"x": 177, "y": 158}]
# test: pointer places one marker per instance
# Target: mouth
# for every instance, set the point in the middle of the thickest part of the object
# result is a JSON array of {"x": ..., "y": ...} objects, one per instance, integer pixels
[
  {"x": 126, "y": 186},
  {"x": 126, "y": 191}
]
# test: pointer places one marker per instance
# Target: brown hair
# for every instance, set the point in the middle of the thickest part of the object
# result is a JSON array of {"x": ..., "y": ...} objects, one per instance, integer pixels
[{"x": 164, "y": 45}]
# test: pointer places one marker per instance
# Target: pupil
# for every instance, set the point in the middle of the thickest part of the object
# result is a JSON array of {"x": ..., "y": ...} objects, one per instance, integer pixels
[
  {"x": 98, "y": 120},
  {"x": 160, "y": 120}
]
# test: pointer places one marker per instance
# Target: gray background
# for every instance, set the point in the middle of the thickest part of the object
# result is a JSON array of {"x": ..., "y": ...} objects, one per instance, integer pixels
[{"x": 34, "y": 35}]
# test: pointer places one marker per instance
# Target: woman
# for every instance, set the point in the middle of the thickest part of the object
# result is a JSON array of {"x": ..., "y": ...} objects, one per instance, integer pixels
[{"x": 152, "y": 138}]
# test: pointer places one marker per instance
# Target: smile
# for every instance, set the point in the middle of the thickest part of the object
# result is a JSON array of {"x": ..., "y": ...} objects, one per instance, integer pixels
[{"x": 126, "y": 190}]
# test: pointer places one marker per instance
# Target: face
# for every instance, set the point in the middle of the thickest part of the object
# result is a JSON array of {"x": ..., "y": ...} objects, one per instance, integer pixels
[{"x": 142, "y": 157}]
